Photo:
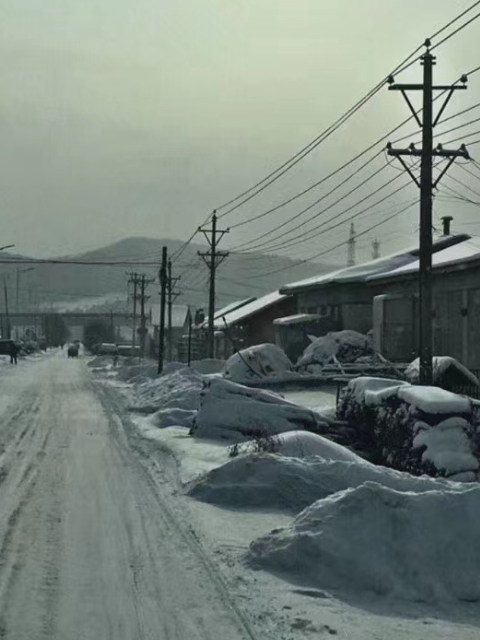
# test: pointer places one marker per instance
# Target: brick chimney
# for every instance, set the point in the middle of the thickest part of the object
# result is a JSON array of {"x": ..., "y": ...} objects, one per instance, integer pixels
[{"x": 446, "y": 221}]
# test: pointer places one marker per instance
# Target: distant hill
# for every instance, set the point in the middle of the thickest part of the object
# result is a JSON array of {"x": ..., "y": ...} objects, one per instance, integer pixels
[{"x": 240, "y": 275}]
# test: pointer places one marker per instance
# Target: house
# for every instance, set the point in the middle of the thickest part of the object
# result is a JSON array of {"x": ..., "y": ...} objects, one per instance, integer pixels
[
  {"x": 455, "y": 305},
  {"x": 345, "y": 296},
  {"x": 250, "y": 324}
]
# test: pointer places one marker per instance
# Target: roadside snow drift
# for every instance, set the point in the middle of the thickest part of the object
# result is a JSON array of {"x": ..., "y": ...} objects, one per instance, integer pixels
[
  {"x": 413, "y": 546},
  {"x": 260, "y": 361},
  {"x": 274, "y": 482},
  {"x": 233, "y": 411},
  {"x": 177, "y": 390}
]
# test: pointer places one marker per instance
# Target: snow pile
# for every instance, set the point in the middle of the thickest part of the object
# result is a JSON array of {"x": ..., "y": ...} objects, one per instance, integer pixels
[
  {"x": 342, "y": 346},
  {"x": 178, "y": 390},
  {"x": 100, "y": 362},
  {"x": 414, "y": 546},
  {"x": 302, "y": 444},
  {"x": 260, "y": 361},
  {"x": 137, "y": 373},
  {"x": 233, "y": 411},
  {"x": 208, "y": 366},
  {"x": 393, "y": 421},
  {"x": 164, "y": 418},
  {"x": 448, "y": 373},
  {"x": 274, "y": 482}
]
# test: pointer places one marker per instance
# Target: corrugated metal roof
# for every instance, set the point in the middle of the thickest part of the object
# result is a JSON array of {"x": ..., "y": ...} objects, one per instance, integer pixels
[
  {"x": 464, "y": 251},
  {"x": 363, "y": 272},
  {"x": 249, "y": 309},
  {"x": 227, "y": 309}
]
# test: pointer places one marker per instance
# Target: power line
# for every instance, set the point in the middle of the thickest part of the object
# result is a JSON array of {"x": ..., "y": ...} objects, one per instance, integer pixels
[
  {"x": 460, "y": 28},
  {"x": 318, "y": 229},
  {"x": 341, "y": 244}
]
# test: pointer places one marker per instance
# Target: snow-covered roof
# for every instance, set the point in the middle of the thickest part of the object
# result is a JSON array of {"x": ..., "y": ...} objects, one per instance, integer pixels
[
  {"x": 247, "y": 310},
  {"x": 179, "y": 315},
  {"x": 365, "y": 271},
  {"x": 297, "y": 318},
  {"x": 464, "y": 251},
  {"x": 228, "y": 309}
]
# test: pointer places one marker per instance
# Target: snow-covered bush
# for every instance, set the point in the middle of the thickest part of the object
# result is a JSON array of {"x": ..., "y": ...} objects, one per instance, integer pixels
[
  {"x": 235, "y": 412},
  {"x": 448, "y": 373},
  {"x": 344, "y": 346},
  {"x": 259, "y": 361},
  {"x": 420, "y": 546},
  {"x": 411, "y": 428}
]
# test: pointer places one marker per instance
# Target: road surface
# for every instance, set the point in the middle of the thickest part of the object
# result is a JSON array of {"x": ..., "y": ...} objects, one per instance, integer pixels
[{"x": 92, "y": 546}]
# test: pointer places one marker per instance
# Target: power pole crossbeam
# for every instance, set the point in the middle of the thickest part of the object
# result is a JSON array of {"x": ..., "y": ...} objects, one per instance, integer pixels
[
  {"x": 426, "y": 186},
  {"x": 213, "y": 259}
]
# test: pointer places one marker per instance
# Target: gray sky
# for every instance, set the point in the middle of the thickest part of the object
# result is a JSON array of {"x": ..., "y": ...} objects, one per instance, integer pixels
[{"x": 137, "y": 118}]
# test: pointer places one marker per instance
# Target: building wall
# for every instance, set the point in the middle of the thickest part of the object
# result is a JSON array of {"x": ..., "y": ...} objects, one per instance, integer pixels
[
  {"x": 260, "y": 328},
  {"x": 348, "y": 304},
  {"x": 455, "y": 318}
]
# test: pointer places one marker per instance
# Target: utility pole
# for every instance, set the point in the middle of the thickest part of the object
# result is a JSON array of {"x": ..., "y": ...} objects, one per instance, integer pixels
[
  {"x": 163, "y": 276},
  {"x": 376, "y": 249},
  {"x": 426, "y": 186},
  {"x": 134, "y": 280},
  {"x": 7, "y": 314},
  {"x": 143, "y": 321},
  {"x": 213, "y": 260},
  {"x": 351, "y": 246},
  {"x": 172, "y": 295}
]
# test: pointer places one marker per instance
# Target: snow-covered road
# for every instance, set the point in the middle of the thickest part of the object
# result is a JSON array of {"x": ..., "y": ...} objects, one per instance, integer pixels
[{"x": 92, "y": 544}]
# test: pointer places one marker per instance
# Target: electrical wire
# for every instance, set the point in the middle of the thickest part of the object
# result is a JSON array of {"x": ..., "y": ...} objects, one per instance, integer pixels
[{"x": 318, "y": 228}]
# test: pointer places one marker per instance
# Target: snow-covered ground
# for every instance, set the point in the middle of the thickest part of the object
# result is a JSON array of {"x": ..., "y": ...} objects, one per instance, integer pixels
[{"x": 321, "y": 546}]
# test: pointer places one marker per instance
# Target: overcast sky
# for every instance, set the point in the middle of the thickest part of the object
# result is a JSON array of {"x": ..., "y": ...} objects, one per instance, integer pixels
[{"x": 122, "y": 118}]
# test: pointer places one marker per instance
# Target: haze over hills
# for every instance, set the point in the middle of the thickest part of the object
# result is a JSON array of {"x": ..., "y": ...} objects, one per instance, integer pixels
[{"x": 240, "y": 275}]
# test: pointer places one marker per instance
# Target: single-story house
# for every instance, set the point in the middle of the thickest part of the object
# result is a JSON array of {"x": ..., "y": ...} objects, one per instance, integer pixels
[
  {"x": 346, "y": 296},
  {"x": 251, "y": 323},
  {"x": 455, "y": 302}
]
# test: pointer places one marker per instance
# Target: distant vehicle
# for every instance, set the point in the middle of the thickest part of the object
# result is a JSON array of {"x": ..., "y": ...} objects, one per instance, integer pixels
[{"x": 72, "y": 351}]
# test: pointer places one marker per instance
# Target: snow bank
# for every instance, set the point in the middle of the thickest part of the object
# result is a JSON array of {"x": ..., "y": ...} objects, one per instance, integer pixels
[
  {"x": 175, "y": 417},
  {"x": 99, "y": 362},
  {"x": 346, "y": 346},
  {"x": 274, "y": 482},
  {"x": 260, "y": 361},
  {"x": 413, "y": 546},
  {"x": 446, "y": 372},
  {"x": 138, "y": 373},
  {"x": 208, "y": 366},
  {"x": 178, "y": 390},
  {"x": 233, "y": 411},
  {"x": 301, "y": 444}
]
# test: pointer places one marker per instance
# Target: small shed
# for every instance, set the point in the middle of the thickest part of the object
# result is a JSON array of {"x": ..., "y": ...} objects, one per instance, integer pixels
[{"x": 292, "y": 333}]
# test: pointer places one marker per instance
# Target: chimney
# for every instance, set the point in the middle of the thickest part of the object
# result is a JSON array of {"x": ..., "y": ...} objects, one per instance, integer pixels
[{"x": 446, "y": 220}]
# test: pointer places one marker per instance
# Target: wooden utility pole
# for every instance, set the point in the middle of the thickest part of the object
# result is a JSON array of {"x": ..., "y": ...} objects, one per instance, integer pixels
[
  {"x": 172, "y": 295},
  {"x": 163, "y": 276},
  {"x": 7, "y": 314},
  {"x": 426, "y": 186},
  {"x": 143, "y": 320},
  {"x": 212, "y": 259},
  {"x": 352, "y": 241},
  {"x": 134, "y": 280}
]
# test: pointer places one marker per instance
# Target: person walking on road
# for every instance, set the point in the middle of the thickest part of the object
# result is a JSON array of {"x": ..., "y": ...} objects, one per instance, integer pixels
[{"x": 13, "y": 354}]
